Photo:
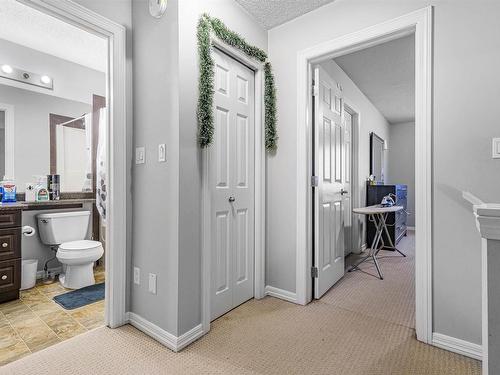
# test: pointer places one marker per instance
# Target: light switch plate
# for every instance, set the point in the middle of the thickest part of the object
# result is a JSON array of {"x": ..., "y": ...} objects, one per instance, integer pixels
[
  {"x": 496, "y": 148},
  {"x": 162, "y": 153},
  {"x": 152, "y": 283},
  {"x": 140, "y": 155},
  {"x": 137, "y": 275}
]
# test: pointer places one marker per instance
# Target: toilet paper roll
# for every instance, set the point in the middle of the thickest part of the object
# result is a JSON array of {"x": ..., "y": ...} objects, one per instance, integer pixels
[{"x": 28, "y": 231}]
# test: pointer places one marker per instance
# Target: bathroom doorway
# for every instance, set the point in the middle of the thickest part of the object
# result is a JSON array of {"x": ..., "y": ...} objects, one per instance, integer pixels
[{"x": 56, "y": 113}]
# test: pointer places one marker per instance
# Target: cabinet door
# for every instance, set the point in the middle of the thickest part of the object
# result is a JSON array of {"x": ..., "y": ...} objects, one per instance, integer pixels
[{"x": 10, "y": 243}]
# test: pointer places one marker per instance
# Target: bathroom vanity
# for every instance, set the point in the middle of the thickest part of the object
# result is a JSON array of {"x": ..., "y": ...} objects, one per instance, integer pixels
[
  {"x": 10, "y": 254},
  {"x": 11, "y": 219}
]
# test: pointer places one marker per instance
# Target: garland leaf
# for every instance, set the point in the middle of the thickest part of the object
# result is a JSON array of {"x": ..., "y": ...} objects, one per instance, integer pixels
[{"x": 207, "y": 25}]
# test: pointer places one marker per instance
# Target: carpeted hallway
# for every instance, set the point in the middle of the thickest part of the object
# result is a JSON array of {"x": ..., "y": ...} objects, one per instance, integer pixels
[{"x": 362, "y": 326}]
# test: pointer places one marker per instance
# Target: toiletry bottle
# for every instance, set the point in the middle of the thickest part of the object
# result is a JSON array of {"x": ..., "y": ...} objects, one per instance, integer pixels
[
  {"x": 41, "y": 191},
  {"x": 9, "y": 190},
  {"x": 53, "y": 185}
]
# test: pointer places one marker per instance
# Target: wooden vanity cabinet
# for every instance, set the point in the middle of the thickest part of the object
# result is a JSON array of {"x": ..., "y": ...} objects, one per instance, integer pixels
[{"x": 10, "y": 254}]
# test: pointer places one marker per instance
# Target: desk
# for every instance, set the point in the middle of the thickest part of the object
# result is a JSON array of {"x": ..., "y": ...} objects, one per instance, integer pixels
[{"x": 378, "y": 215}]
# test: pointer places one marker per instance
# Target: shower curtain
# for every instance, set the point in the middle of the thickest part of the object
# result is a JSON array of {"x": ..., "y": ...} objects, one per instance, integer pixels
[
  {"x": 87, "y": 182},
  {"x": 101, "y": 166}
]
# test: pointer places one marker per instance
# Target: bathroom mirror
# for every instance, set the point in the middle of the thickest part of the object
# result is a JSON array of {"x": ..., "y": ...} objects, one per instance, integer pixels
[
  {"x": 42, "y": 133},
  {"x": 377, "y": 157}
]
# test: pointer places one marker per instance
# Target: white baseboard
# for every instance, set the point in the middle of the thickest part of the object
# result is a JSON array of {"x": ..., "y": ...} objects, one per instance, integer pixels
[
  {"x": 410, "y": 228},
  {"x": 458, "y": 346},
  {"x": 175, "y": 343},
  {"x": 280, "y": 293}
]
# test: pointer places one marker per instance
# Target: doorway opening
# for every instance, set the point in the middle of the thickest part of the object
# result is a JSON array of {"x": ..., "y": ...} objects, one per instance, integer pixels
[
  {"x": 62, "y": 262},
  {"x": 331, "y": 163}
]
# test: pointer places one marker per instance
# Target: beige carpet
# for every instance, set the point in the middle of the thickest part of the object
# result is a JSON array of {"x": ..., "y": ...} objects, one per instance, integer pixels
[{"x": 333, "y": 336}]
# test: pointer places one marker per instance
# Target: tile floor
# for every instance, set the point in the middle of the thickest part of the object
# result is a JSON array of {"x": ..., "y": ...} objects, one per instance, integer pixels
[{"x": 35, "y": 321}]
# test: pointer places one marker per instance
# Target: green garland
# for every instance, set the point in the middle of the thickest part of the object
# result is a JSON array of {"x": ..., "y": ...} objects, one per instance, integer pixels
[{"x": 206, "y": 25}]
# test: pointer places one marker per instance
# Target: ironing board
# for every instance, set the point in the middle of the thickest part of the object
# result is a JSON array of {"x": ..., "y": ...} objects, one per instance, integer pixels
[{"x": 378, "y": 215}]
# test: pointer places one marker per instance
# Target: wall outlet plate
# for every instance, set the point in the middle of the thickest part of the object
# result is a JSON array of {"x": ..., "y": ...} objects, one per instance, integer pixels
[
  {"x": 496, "y": 148},
  {"x": 140, "y": 155},
  {"x": 152, "y": 283}
]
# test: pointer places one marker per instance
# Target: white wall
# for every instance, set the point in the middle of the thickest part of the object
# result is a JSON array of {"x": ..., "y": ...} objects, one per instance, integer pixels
[
  {"x": 71, "y": 81},
  {"x": 465, "y": 79},
  {"x": 402, "y": 162}
]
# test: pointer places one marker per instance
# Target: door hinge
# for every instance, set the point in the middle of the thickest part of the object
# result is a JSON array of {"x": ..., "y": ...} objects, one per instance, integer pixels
[
  {"x": 314, "y": 272},
  {"x": 314, "y": 181},
  {"x": 315, "y": 89}
]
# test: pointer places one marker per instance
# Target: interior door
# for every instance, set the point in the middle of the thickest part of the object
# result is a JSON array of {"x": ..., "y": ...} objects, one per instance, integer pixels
[
  {"x": 231, "y": 178},
  {"x": 329, "y": 161},
  {"x": 348, "y": 222}
]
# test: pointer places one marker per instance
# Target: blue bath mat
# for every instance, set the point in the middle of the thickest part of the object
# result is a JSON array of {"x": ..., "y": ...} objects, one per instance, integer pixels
[{"x": 81, "y": 297}]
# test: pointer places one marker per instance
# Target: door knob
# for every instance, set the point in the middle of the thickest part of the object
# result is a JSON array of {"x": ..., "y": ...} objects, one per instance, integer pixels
[
  {"x": 343, "y": 192},
  {"x": 232, "y": 199}
]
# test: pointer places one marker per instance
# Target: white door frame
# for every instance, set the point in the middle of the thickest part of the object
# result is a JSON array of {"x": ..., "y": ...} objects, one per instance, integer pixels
[
  {"x": 118, "y": 164},
  {"x": 420, "y": 23},
  {"x": 260, "y": 178},
  {"x": 355, "y": 182},
  {"x": 9, "y": 139}
]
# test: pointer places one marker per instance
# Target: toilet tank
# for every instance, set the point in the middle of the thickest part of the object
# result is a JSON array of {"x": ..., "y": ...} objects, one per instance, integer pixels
[{"x": 59, "y": 227}]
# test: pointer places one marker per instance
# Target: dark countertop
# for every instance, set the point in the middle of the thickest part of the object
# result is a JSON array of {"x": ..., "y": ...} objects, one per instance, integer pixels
[{"x": 47, "y": 205}]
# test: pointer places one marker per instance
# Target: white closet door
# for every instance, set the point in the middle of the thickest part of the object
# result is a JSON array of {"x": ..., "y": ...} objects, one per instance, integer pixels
[
  {"x": 329, "y": 161},
  {"x": 231, "y": 175}
]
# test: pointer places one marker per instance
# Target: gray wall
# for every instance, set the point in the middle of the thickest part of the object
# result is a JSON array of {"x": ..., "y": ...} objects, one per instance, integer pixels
[
  {"x": 189, "y": 153},
  {"x": 461, "y": 138},
  {"x": 156, "y": 185},
  {"x": 402, "y": 162},
  {"x": 120, "y": 11},
  {"x": 31, "y": 129},
  {"x": 169, "y": 245}
]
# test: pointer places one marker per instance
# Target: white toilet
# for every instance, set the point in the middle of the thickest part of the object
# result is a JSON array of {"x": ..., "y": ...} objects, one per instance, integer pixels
[{"x": 67, "y": 232}]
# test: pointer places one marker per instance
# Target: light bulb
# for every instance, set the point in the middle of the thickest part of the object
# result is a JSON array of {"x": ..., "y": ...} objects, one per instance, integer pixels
[
  {"x": 7, "y": 69},
  {"x": 45, "y": 79}
]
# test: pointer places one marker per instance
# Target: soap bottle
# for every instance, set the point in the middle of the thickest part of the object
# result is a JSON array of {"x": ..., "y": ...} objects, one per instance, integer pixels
[
  {"x": 8, "y": 190},
  {"x": 41, "y": 191}
]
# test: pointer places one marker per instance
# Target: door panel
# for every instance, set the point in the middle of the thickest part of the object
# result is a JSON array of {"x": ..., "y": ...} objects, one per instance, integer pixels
[
  {"x": 329, "y": 148},
  {"x": 231, "y": 178}
]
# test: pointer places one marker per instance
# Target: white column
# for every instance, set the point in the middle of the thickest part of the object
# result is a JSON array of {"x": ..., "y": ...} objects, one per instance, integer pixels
[{"x": 488, "y": 224}]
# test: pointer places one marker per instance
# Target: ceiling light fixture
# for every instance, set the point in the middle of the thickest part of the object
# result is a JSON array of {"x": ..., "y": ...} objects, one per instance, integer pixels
[
  {"x": 45, "y": 79},
  {"x": 7, "y": 69}
]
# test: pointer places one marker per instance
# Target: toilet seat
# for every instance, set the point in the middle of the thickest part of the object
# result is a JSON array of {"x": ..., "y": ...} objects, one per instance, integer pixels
[{"x": 80, "y": 245}]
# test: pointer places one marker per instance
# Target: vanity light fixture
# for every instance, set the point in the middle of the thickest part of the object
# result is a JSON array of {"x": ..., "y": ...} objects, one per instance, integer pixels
[
  {"x": 7, "y": 69},
  {"x": 20, "y": 75}
]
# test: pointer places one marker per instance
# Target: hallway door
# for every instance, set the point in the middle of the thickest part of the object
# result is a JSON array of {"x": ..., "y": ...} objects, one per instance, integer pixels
[
  {"x": 231, "y": 178},
  {"x": 329, "y": 202}
]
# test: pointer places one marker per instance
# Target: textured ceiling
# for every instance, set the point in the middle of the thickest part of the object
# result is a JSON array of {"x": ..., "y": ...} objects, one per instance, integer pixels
[
  {"x": 271, "y": 13},
  {"x": 26, "y": 26},
  {"x": 386, "y": 75}
]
